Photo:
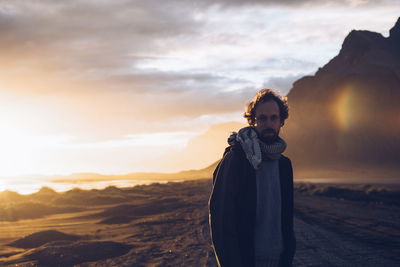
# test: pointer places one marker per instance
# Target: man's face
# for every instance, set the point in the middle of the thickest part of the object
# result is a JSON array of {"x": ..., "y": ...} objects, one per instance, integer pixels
[{"x": 268, "y": 121}]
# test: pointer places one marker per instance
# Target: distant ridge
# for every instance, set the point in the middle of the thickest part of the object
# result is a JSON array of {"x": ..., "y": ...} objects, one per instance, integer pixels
[
  {"x": 154, "y": 176},
  {"x": 347, "y": 116}
]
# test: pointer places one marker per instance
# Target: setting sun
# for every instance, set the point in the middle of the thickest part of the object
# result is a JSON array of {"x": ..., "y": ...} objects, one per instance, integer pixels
[{"x": 22, "y": 144}]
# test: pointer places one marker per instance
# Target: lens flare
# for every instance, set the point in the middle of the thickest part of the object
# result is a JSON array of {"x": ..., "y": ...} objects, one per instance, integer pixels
[{"x": 342, "y": 107}]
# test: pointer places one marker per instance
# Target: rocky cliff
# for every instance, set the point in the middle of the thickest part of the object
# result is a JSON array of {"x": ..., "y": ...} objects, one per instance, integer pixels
[{"x": 347, "y": 116}]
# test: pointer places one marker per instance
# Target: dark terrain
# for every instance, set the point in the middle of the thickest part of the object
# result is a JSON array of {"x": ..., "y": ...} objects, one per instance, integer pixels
[{"x": 167, "y": 225}]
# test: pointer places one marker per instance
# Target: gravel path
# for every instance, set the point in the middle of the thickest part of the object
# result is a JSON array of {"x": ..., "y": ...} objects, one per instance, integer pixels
[
  {"x": 317, "y": 246},
  {"x": 332, "y": 232}
]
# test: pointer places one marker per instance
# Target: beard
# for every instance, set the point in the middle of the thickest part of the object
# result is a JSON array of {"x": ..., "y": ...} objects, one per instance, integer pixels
[{"x": 268, "y": 136}]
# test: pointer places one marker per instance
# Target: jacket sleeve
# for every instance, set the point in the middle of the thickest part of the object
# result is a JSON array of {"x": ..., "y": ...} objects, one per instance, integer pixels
[
  {"x": 223, "y": 212},
  {"x": 290, "y": 248}
]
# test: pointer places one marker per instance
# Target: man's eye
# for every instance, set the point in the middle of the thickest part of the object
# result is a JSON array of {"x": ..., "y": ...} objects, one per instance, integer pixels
[{"x": 262, "y": 118}]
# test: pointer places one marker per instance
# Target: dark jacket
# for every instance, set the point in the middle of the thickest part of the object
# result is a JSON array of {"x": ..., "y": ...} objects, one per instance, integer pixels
[{"x": 233, "y": 209}]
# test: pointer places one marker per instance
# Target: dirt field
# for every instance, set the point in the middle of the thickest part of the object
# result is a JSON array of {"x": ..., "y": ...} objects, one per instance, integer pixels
[{"x": 167, "y": 225}]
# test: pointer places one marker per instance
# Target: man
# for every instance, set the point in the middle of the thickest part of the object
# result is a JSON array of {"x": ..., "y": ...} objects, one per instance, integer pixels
[{"x": 251, "y": 205}]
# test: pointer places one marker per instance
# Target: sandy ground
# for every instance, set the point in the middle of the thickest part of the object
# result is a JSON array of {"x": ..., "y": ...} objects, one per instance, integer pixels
[{"x": 167, "y": 225}]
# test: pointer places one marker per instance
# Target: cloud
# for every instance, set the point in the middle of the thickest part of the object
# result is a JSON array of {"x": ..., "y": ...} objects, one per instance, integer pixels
[
  {"x": 96, "y": 34},
  {"x": 127, "y": 63},
  {"x": 165, "y": 81},
  {"x": 97, "y": 71},
  {"x": 282, "y": 84}
]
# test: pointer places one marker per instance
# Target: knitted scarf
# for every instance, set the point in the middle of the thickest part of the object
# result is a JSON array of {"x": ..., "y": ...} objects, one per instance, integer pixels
[{"x": 255, "y": 150}]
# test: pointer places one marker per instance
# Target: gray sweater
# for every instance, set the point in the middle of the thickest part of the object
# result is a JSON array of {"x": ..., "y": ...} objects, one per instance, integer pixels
[{"x": 268, "y": 231}]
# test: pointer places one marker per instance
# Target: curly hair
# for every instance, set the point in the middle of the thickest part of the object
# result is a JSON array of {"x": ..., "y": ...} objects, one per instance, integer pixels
[{"x": 263, "y": 96}]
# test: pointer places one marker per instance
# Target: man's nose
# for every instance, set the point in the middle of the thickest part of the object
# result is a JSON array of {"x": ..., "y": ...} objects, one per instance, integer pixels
[{"x": 268, "y": 123}]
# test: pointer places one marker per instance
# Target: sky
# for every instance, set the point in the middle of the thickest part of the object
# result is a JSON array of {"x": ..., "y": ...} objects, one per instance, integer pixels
[{"x": 110, "y": 86}]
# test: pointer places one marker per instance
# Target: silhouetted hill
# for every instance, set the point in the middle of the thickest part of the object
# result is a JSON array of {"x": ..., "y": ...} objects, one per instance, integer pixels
[
  {"x": 45, "y": 194},
  {"x": 8, "y": 195},
  {"x": 69, "y": 253},
  {"x": 346, "y": 118},
  {"x": 202, "y": 150},
  {"x": 40, "y": 238},
  {"x": 142, "y": 176}
]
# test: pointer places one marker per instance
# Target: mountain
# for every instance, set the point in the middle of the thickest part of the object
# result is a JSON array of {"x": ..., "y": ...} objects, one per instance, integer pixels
[
  {"x": 203, "y": 150},
  {"x": 200, "y": 151},
  {"x": 138, "y": 176},
  {"x": 346, "y": 118}
]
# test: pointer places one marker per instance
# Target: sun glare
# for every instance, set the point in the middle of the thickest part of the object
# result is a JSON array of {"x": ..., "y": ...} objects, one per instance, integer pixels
[
  {"x": 20, "y": 152},
  {"x": 22, "y": 146},
  {"x": 2, "y": 186},
  {"x": 15, "y": 151}
]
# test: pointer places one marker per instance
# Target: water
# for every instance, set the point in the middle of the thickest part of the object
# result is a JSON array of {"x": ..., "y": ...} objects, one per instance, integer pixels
[
  {"x": 33, "y": 185},
  {"x": 28, "y": 186}
]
